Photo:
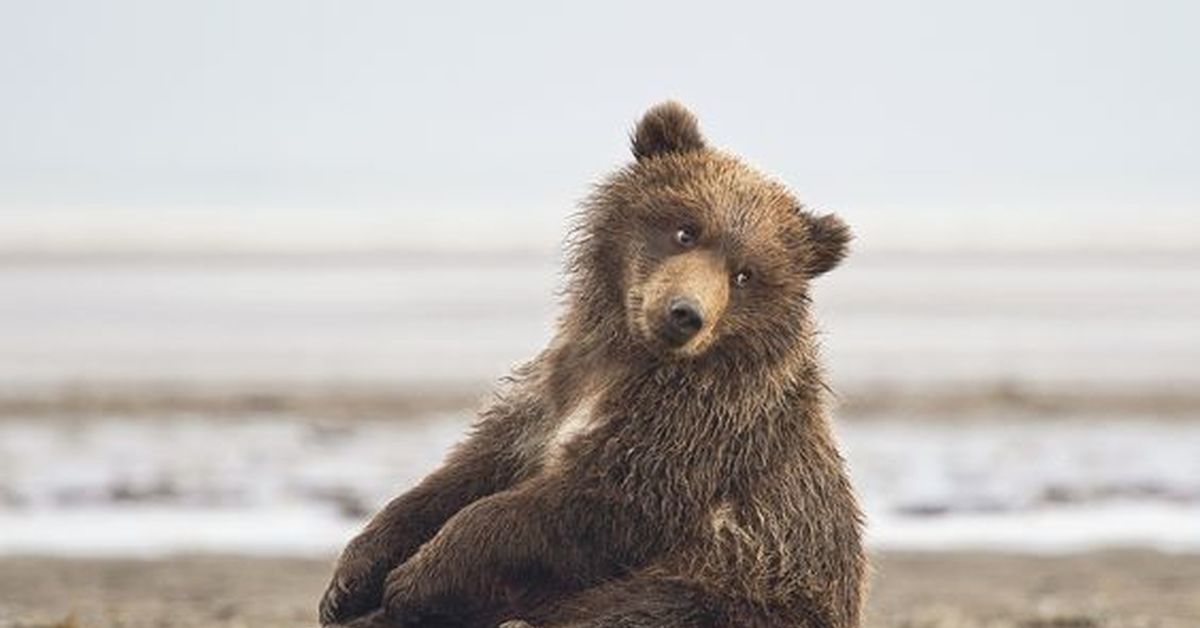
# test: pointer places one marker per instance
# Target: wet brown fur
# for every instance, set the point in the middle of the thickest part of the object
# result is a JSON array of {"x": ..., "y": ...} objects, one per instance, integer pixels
[{"x": 618, "y": 480}]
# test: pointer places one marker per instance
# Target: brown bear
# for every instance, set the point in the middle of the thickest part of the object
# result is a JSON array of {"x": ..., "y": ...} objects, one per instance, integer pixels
[{"x": 667, "y": 460}]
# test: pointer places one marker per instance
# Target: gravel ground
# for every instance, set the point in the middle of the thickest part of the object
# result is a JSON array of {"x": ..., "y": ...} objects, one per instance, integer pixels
[{"x": 1096, "y": 590}]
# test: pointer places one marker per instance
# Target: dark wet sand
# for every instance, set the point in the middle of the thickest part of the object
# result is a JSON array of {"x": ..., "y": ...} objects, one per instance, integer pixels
[
  {"x": 1097, "y": 590},
  {"x": 957, "y": 402}
]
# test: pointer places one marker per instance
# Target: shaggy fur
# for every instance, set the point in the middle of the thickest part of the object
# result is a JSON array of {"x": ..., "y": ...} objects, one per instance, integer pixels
[{"x": 631, "y": 475}]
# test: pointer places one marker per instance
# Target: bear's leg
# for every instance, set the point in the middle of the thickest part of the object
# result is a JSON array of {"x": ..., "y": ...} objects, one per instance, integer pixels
[{"x": 637, "y": 602}]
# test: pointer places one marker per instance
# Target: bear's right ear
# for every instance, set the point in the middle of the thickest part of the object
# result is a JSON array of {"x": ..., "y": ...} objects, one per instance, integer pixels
[
  {"x": 666, "y": 128},
  {"x": 829, "y": 241}
]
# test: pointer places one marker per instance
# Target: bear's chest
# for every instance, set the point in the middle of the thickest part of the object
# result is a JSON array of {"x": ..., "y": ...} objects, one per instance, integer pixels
[{"x": 574, "y": 424}]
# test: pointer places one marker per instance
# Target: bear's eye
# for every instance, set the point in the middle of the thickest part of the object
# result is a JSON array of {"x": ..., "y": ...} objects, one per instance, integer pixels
[
  {"x": 742, "y": 278},
  {"x": 685, "y": 237}
]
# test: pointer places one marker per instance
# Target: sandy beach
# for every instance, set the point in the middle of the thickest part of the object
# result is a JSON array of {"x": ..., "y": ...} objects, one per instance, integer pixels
[{"x": 1111, "y": 589}]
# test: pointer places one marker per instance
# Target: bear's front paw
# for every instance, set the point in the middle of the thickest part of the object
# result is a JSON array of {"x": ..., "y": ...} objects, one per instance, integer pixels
[{"x": 355, "y": 590}]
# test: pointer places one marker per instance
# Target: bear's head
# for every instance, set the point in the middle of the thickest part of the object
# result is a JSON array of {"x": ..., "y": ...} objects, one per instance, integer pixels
[{"x": 700, "y": 252}]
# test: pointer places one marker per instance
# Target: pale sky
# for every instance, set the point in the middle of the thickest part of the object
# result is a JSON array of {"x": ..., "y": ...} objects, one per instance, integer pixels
[{"x": 376, "y": 123}]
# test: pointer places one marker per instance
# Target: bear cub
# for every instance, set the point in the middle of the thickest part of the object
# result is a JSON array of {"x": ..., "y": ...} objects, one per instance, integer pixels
[{"x": 667, "y": 460}]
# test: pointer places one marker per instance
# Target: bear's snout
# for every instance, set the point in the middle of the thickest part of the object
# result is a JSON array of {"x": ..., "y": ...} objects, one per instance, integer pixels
[
  {"x": 684, "y": 320},
  {"x": 680, "y": 302}
]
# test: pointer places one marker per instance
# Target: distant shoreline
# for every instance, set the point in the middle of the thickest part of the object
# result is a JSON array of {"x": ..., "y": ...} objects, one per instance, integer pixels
[
  {"x": 399, "y": 333},
  {"x": 409, "y": 400}
]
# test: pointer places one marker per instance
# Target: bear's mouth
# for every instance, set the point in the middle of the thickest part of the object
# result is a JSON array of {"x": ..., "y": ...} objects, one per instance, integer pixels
[{"x": 674, "y": 338}]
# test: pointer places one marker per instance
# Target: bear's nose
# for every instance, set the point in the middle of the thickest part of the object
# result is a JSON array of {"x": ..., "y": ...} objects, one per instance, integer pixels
[{"x": 683, "y": 316}]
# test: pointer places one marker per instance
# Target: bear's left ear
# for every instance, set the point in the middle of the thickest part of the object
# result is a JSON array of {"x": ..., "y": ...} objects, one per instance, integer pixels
[
  {"x": 666, "y": 128},
  {"x": 828, "y": 239}
]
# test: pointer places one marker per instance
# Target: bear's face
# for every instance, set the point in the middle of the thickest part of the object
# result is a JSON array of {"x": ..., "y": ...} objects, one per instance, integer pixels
[{"x": 703, "y": 251}]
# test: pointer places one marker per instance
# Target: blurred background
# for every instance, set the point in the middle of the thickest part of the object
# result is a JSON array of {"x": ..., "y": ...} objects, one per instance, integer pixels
[{"x": 259, "y": 262}]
